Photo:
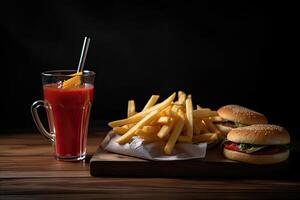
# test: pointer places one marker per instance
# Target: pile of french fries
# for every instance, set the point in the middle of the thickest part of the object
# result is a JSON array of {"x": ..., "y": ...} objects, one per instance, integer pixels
[{"x": 169, "y": 121}]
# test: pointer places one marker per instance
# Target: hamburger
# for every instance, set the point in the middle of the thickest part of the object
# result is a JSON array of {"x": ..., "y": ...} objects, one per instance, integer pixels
[
  {"x": 257, "y": 144},
  {"x": 235, "y": 116}
]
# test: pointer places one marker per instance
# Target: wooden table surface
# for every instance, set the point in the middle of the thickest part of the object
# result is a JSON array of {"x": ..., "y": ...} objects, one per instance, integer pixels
[{"x": 28, "y": 170}]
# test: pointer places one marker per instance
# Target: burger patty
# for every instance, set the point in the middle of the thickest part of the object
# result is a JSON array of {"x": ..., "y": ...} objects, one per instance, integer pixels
[
  {"x": 267, "y": 150},
  {"x": 227, "y": 123},
  {"x": 231, "y": 124}
]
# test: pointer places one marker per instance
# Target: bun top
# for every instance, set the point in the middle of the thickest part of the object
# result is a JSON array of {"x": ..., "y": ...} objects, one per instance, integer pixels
[
  {"x": 261, "y": 134},
  {"x": 241, "y": 115}
]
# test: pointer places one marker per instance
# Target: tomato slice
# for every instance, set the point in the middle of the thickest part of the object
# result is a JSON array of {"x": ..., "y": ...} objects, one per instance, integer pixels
[
  {"x": 266, "y": 151},
  {"x": 231, "y": 146}
]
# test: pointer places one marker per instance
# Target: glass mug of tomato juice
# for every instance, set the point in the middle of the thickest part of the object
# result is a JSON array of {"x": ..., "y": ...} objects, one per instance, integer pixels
[{"x": 68, "y": 111}]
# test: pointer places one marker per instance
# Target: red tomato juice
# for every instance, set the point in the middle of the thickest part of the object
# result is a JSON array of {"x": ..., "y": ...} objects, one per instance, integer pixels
[{"x": 68, "y": 115}]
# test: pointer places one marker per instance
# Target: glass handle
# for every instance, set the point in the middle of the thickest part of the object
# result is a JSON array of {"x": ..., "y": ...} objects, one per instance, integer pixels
[{"x": 37, "y": 119}]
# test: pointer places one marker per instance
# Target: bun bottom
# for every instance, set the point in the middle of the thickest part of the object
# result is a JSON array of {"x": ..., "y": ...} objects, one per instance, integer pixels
[{"x": 256, "y": 159}]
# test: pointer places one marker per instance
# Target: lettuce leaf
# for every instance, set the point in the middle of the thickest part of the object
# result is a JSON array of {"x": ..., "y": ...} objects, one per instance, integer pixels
[
  {"x": 237, "y": 124},
  {"x": 289, "y": 146},
  {"x": 250, "y": 148}
]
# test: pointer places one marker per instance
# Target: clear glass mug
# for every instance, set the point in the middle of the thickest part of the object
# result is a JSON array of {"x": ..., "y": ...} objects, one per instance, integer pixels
[{"x": 68, "y": 112}]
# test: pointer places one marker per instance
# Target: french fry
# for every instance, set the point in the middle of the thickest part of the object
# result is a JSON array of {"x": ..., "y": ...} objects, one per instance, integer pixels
[
  {"x": 211, "y": 126},
  {"x": 120, "y": 130},
  {"x": 140, "y": 132},
  {"x": 151, "y": 129},
  {"x": 147, "y": 136},
  {"x": 217, "y": 119},
  {"x": 131, "y": 108},
  {"x": 175, "y": 133},
  {"x": 165, "y": 129},
  {"x": 139, "y": 116},
  {"x": 207, "y": 126},
  {"x": 130, "y": 133},
  {"x": 175, "y": 108},
  {"x": 161, "y": 114},
  {"x": 163, "y": 120},
  {"x": 206, "y": 137},
  {"x": 181, "y": 97},
  {"x": 128, "y": 126},
  {"x": 179, "y": 104},
  {"x": 185, "y": 139},
  {"x": 197, "y": 126},
  {"x": 166, "y": 111},
  {"x": 186, "y": 124},
  {"x": 152, "y": 101},
  {"x": 189, "y": 116},
  {"x": 204, "y": 129},
  {"x": 204, "y": 113}
]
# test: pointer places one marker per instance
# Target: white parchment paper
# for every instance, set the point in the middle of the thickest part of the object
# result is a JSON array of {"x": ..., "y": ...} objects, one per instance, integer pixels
[{"x": 153, "y": 151}]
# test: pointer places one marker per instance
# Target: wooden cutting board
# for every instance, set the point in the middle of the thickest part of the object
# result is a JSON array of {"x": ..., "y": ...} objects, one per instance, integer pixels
[{"x": 213, "y": 165}]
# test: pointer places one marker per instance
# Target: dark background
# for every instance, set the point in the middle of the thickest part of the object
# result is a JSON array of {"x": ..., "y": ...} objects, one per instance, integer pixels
[{"x": 220, "y": 52}]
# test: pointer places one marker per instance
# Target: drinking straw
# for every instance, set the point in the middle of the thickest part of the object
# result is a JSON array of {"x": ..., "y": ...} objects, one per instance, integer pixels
[{"x": 84, "y": 51}]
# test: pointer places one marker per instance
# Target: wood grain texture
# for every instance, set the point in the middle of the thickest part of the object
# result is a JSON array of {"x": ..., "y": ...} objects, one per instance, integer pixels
[
  {"x": 92, "y": 185},
  {"x": 163, "y": 195},
  {"x": 214, "y": 164},
  {"x": 28, "y": 170}
]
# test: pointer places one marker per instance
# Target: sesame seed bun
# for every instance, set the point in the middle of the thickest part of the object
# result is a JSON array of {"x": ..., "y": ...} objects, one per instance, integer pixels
[
  {"x": 260, "y": 134},
  {"x": 241, "y": 115},
  {"x": 256, "y": 159}
]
